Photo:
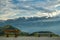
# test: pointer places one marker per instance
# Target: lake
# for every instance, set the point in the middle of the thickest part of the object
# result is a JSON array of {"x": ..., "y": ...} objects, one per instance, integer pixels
[{"x": 30, "y": 38}]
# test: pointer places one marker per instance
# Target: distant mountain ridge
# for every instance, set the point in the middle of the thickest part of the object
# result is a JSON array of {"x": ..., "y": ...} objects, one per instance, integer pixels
[{"x": 34, "y": 23}]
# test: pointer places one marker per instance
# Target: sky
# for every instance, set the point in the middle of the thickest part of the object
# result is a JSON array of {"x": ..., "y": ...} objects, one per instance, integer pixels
[{"x": 11, "y": 9}]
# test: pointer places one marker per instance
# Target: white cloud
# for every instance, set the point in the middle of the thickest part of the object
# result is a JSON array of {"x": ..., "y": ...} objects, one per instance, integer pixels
[
  {"x": 57, "y": 5},
  {"x": 7, "y": 11},
  {"x": 41, "y": 14},
  {"x": 24, "y": 0},
  {"x": 52, "y": 14}
]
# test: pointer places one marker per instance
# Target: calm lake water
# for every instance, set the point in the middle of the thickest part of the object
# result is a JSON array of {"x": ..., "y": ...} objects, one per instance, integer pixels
[{"x": 30, "y": 38}]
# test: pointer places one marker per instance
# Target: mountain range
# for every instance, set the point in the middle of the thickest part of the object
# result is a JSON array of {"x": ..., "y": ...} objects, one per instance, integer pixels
[{"x": 32, "y": 24}]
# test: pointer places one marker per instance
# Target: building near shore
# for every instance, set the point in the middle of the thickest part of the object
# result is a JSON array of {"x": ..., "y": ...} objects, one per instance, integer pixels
[
  {"x": 10, "y": 30},
  {"x": 44, "y": 34}
]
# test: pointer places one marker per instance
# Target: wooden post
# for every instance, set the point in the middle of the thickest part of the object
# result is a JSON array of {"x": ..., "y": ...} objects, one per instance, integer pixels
[
  {"x": 50, "y": 35},
  {"x": 7, "y": 35},
  {"x": 16, "y": 34}
]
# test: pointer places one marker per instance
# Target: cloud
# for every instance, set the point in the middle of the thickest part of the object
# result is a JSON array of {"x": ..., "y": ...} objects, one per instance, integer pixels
[
  {"x": 6, "y": 10},
  {"x": 25, "y": 0},
  {"x": 11, "y": 9},
  {"x": 57, "y": 13}
]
